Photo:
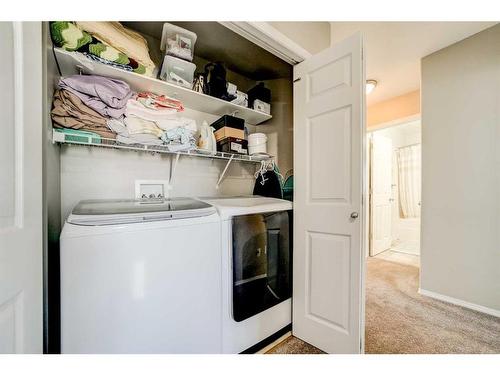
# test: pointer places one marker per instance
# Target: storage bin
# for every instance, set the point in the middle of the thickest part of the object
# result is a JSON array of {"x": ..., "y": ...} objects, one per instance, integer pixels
[
  {"x": 178, "y": 71},
  {"x": 257, "y": 143},
  {"x": 178, "y": 42},
  {"x": 227, "y": 132},
  {"x": 233, "y": 145},
  {"x": 229, "y": 121},
  {"x": 259, "y": 92}
]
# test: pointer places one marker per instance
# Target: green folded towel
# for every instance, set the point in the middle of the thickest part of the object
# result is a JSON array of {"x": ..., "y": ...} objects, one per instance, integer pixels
[
  {"x": 68, "y": 36},
  {"x": 108, "y": 53},
  {"x": 80, "y": 136},
  {"x": 140, "y": 69}
]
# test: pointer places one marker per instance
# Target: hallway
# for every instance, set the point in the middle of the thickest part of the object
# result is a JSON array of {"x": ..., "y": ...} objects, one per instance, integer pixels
[{"x": 400, "y": 320}]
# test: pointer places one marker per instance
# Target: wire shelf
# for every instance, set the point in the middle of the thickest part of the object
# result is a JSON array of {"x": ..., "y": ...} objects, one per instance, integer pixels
[{"x": 88, "y": 140}]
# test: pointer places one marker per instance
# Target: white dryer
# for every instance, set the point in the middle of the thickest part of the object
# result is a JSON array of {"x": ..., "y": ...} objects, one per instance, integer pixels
[
  {"x": 256, "y": 237},
  {"x": 138, "y": 277}
]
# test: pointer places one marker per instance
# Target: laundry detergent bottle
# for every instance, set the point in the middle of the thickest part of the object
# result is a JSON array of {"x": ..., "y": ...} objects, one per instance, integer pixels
[{"x": 206, "y": 141}]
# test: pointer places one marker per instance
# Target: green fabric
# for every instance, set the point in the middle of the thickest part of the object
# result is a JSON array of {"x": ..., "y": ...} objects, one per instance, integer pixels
[
  {"x": 68, "y": 36},
  {"x": 141, "y": 69},
  {"x": 80, "y": 136},
  {"x": 108, "y": 53}
]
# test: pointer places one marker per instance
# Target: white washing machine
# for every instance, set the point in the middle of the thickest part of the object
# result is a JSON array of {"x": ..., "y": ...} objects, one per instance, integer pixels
[
  {"x": 139, "y": 277},
  {"x": 256, "y": 237}
]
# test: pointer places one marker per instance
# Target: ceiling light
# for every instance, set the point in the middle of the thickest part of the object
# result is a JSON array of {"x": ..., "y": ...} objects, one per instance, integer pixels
[{"x": 370, "y": 85}]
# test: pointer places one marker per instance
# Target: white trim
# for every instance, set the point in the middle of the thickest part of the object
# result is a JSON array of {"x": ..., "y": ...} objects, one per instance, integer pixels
[
  {"x": 269, "y": 38},
  {"x": 459, "y": 302},
  {"x": 19, "y": 108}
]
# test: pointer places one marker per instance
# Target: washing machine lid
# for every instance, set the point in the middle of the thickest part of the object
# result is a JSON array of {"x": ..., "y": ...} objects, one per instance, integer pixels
[
  {"x": 245, "y": 205},
  {"x": 126, "y": 211}
]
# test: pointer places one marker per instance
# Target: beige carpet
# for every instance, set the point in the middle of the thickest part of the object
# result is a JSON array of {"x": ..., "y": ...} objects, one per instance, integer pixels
[
  {"x": 293, "y": 345},
  {"x": 399, "y": 320}
]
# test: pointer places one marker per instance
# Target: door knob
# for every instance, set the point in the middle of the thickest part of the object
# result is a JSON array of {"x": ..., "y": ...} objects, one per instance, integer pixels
[{"x": 354, "y": 215}]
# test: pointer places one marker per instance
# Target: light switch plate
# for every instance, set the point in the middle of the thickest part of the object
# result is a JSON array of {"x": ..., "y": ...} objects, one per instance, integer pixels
[{"x": 153, "y": 189}]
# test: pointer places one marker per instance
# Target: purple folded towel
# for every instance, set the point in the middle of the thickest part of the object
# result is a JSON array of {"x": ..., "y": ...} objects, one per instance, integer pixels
[{"x": 106, "y": 96}]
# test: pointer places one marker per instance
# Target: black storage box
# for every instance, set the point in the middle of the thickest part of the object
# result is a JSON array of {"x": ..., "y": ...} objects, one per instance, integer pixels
[
  {"x": 233, "y": 145},
  {"x": 259, "y": 92},
  {"x": 230, "y": 122}
]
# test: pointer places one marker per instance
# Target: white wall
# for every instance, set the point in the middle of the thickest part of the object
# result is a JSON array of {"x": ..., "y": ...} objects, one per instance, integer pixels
[
  {"x": 405, "y": 231},
  {"x": 461, "y": 170}
]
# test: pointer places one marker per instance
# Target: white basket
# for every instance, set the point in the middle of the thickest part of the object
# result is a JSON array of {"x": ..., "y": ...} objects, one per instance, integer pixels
[
  {"x": 177, "y": 71},
  {"x": 178, "y": 42}
]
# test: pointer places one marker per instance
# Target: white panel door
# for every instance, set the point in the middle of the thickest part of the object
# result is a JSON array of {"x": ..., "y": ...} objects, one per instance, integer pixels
[
  {"x": 381, "y": 194},
  {"x": 328, "y": 298},
  {"x": 21, "y": 188}
]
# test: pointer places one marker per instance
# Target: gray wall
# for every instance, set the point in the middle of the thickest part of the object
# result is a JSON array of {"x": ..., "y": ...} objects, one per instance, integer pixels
[
  {"x": 461, "y": 170},
  {"x": 312, "y": 36}
]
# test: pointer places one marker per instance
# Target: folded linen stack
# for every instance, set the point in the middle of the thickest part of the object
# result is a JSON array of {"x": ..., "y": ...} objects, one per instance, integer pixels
[
  {"x": 85, "y": 102},
  {"x": 150, "y": 114},
  {"x": 106, "y": 96},
  {"x": 68, "y": 111},
  {"x": 125, "y": 40},
  {"x": 106, "y": 42},
  {"x": 131, "y": 132}
]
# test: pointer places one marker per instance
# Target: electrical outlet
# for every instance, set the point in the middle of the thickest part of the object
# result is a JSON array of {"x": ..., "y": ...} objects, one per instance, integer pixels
[{"x": 151, "y": 189}]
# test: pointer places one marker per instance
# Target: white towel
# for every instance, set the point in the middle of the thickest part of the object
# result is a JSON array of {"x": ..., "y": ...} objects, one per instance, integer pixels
[
  {"x": 165, "y": 118},
  {"x": 125, "y": 137}
]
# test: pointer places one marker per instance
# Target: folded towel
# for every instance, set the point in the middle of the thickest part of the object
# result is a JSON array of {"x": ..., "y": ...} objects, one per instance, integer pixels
[
  {"x": 164, "y": 117},
  {"x": 68, "y": 36},
  {"x": 137, "y": 125},
  {"x": 123, "y": 39},
  {"x": 160, "y": 102},
  {"x": 68, "y": 111},
  {"x": 105, "y": 95},
  {"x": 108, "y": 53},
  {"x": 79, "y": 135},
  {"x": 125, "y": 137},
  {"x": 179, "y": 139}
]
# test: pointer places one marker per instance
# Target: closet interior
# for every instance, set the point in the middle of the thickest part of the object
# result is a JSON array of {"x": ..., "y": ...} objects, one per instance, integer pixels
[{"x": 79, "y": 168}]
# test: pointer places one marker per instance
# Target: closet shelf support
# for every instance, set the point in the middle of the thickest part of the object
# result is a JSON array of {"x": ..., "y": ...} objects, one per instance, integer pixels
[
  {"x": 173, "y": 167},
  {"x": 221, "y": 177}
]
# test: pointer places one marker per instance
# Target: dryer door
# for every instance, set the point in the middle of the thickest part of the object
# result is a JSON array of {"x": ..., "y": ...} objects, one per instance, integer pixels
[{"x": 261, "y": 262}]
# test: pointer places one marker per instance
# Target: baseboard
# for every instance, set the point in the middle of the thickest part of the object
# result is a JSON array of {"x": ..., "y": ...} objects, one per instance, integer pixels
[{"x": 459, "y": 302}]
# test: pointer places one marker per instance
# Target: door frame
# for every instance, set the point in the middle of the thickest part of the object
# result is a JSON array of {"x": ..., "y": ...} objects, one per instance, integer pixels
[
  {"x": 367, "y": 161},
  {"x": 271, "y": 39}
]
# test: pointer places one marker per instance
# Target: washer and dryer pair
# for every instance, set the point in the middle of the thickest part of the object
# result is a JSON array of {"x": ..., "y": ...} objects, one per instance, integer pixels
[{"x": 208, "y": 275}]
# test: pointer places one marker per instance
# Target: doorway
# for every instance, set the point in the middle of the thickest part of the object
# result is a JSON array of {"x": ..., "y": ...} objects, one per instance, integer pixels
[{"x": 394, "y": 182}]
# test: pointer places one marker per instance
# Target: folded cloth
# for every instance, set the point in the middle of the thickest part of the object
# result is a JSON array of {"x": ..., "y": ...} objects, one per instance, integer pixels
[
  {"x": 137, "y": 125},
  {"x": 125, "y": 137},
  {"x": 108, "y": 53},
  {"x": 150, "y": 100},
  {"x": 105, "y": 95},
  {"x": 123, "y": 39},
  {"x": 107, "y": 62},
  {"x": 132, "y": 66},
  {"x": 79, "y": 135},
  {"x": 68, "y": 111},
  {"x": 164, "y": 117},
  {"x": 68, "y": 36},
  {"x": 179, "y": 139}
]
